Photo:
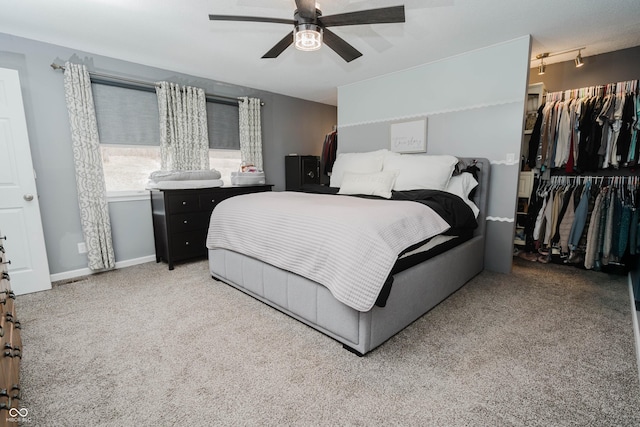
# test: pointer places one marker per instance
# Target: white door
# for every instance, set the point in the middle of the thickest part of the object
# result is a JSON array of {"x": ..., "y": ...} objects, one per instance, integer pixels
[{"x": 20, "y": 219}]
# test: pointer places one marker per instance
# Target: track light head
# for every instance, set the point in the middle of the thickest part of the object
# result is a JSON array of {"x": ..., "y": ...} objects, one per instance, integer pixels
[
  {"x": 579, "y": 61},
  {"x": 541, "y": 67}
]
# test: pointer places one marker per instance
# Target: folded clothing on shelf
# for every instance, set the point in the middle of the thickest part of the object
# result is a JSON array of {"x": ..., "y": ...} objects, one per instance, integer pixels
[{"x": 247, "y": 178}]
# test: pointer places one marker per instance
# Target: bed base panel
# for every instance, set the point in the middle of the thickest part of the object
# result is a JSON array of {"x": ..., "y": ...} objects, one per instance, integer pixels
[{"x": 415, "y": 291}]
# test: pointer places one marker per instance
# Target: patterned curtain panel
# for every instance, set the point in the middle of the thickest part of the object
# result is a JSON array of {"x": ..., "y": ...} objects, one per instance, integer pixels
[
  {"x": 94, "y": 212},
  {"x": 184, "y": 139},
  {"x": 250, "y": 131}
]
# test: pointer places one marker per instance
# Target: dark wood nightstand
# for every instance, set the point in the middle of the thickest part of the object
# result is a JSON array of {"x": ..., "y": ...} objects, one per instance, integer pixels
[{"x": 181, "y": 219}]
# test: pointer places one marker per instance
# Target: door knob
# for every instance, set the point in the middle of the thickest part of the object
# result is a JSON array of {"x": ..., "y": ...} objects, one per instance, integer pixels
[{"x": 28, "y": 197}]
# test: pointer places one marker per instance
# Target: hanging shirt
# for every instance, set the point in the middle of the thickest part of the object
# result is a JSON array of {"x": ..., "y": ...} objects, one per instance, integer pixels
[
  {"x": 563, "y": 135},
  {"x": 329, "y": 150}
]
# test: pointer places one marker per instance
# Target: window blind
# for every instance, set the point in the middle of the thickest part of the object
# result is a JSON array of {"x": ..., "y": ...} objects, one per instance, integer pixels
[
  {"x": 222, "y": 120},
  {"x": 129, "y": 116},
  {"x": 126, "y": 116}
]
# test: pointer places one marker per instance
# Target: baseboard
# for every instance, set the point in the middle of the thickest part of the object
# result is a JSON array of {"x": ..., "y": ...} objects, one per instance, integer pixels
[
  {"x": 636, "y": 322},
  {"x": 68, "y": 275}
]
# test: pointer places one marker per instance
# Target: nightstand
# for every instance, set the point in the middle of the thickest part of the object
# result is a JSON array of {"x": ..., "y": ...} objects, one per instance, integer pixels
[{"x": 181, "y": 219}]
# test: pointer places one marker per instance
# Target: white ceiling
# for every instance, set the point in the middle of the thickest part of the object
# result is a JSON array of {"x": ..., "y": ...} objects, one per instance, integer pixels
[{"x": 177, "y": 35}]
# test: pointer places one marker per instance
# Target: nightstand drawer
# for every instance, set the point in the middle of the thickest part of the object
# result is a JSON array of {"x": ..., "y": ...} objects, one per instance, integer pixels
[
  {"x": 189, "y": 244},
  {"x": 184, "y": 203},
  {"x": 209, "y": 201},
  {"x": 189, "y": 222}
]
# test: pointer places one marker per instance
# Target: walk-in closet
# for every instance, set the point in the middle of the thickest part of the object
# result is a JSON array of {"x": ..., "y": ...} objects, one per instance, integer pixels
[{"x": 579, "y": 190}]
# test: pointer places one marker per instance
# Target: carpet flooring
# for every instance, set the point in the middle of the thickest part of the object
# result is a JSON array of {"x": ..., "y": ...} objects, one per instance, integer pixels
[{"x": 143, "y": 346}]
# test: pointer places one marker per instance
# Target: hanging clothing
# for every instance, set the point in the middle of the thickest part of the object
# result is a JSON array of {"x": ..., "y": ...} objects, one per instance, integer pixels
[
  {"x": 567, "y": 219},
  {"x": 588, "y": 129},
  {"x": 534, "y": 141},
  {"x": 329, "y": 149},
  {"x": 580, "y": 218}
]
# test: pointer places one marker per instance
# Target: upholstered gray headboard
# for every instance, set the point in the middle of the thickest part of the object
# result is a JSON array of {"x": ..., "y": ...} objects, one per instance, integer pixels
[{"x": 481, "y": 196}]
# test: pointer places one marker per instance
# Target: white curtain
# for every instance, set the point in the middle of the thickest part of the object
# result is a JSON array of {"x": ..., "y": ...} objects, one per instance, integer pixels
[
  {"x": 92, "y": 200},
  {"x": 184, "y": 139},
  {"x": 250, "y": 131}
]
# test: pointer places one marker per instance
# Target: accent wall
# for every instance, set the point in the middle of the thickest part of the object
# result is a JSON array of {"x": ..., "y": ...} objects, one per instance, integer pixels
[{"x": 474, "y": 104}]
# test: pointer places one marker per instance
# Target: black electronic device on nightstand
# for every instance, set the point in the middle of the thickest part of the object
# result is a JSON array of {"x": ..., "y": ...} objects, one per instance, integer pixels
[{"x": 300, "y": 171}]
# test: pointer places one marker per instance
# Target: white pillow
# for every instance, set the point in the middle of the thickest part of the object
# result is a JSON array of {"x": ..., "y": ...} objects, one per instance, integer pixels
[
  {"x": 417, "y": 171},
  {"x": 371, "y": 184},
  {"x": 368, "y": 162},
  {"x": 461, "y": 185}
]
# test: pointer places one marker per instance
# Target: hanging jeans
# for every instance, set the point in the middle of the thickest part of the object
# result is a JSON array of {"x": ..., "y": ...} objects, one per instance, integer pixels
[{"x": 580, "y": 218}]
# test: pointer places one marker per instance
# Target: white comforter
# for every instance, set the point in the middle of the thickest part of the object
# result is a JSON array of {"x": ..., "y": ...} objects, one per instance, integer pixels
[{"x": 347, "y": 244}]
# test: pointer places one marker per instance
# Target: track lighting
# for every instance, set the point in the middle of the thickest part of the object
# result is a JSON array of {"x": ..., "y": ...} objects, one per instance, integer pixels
[
  {"x": 579, "y": 61},
  {"x": 541, "y": 56}
]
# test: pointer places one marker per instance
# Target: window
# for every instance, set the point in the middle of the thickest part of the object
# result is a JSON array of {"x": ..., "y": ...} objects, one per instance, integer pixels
[
  {"x": 128, "y": 125},
  {"x": 225, "y": 161},
  {"x": 127, "y": 168}
]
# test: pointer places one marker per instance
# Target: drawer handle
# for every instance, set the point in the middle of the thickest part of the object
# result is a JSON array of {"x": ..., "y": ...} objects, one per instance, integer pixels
[
  {"x": 184, "y": 203},
  {"x": 213, "y": 200},
  {"x": 185, "y": 221},
  {"x": 186, "y": 243}
]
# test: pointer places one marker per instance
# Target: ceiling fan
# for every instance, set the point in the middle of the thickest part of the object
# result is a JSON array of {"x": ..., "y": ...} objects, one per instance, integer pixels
[{"x": 310, "y": 27}]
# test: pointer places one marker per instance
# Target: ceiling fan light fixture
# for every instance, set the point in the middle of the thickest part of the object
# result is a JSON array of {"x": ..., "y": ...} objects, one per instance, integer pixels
[{"x": 308, "y": 37}]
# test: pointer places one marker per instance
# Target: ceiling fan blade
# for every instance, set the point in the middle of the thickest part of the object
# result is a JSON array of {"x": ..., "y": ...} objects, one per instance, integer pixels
[
  {"x": 280, "y": 46},
  {"x": 251, "y": 19},
  {"x": 383, "y": 15},
  {"x": 341, "y": 47},
  {"x": 306, "y": 8}
]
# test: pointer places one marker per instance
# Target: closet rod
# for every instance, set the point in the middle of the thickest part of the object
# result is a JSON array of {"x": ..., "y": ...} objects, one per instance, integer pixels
[
  {"x": 634, "y": 84},
  {"x": 145, "y": 86},
  {"x": 601, "y": 179}
]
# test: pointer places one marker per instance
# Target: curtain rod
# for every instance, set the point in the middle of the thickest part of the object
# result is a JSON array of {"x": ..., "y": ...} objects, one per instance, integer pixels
[{"x": 148, "y": 86}]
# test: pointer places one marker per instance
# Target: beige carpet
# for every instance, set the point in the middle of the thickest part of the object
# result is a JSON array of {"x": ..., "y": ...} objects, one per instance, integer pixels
[{"x": 144, "y": 346}]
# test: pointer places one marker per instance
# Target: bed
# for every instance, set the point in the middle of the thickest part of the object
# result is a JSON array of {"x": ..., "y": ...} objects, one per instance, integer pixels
[{"x": 423, "y": 273}]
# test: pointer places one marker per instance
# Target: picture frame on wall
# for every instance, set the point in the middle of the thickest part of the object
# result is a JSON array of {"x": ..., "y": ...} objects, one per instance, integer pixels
[{"x": 408, "y": 136}]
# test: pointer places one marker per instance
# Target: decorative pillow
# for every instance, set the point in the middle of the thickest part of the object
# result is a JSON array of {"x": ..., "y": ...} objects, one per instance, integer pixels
[
  {"x": 371, "y": 184},
  {"x": 461, "y": 185},
  {"x": 420, "y": 172},
  {"x": 368, "y": 162}
]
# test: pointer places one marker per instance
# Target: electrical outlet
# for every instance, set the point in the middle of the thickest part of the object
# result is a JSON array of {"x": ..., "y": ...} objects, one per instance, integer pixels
[
  {"x": 511, "y": 157},
  {"x": 82, "y": 248}
]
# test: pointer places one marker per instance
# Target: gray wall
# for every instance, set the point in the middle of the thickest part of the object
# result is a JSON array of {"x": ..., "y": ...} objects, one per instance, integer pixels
[
  {"x": 474, "y": 104},
  {"x": 288, "y": 125},
  {"x": 612, "y": 67}
]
